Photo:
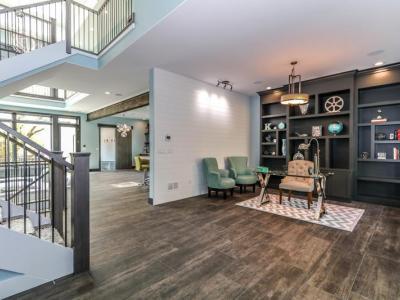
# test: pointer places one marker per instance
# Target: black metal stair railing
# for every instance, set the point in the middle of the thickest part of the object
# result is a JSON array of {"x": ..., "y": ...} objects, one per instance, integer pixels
[
  {"x": 29, "y": 27},
  {"x": 44, "y": 195}
]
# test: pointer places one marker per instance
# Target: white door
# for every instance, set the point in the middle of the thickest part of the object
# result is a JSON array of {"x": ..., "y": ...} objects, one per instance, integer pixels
[{"x": 107, "y": 148}]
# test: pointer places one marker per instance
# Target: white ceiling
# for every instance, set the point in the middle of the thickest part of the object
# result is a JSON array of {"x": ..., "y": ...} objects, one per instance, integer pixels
[{"x": 246, "y": 42}]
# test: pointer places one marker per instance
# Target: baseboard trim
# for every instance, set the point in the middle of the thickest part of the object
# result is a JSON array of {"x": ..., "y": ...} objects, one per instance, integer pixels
[{"x": 47, "y": 284}]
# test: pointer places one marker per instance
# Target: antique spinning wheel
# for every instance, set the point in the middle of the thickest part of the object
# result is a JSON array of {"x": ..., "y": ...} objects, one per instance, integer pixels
[{"x": 334, "y": 104}]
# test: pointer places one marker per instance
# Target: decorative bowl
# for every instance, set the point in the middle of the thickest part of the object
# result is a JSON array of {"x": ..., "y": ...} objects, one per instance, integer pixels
[{"x": 335, "y": 128}]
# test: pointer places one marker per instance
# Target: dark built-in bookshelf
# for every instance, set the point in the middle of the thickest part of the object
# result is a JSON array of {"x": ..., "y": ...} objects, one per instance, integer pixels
[
  {"x": 363, "y": 92},
  {"x": 378, "y": 178}
]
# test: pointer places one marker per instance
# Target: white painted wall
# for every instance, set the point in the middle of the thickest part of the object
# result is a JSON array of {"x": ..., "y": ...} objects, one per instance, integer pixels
[
  {"x": 38, "y": 261},
  {"x": 203, "y": 121}
]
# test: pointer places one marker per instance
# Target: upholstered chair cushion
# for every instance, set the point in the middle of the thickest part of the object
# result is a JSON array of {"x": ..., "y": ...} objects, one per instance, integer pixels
[
  {"x": 296, "y": 185},
  {"x": 216, "y": 178},
  {"x": 300, "y": 184},
  {"x": 240, "y": 171}
]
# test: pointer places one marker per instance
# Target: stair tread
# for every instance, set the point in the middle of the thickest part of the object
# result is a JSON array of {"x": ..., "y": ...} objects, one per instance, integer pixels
[{"x": 18, "y": 212}]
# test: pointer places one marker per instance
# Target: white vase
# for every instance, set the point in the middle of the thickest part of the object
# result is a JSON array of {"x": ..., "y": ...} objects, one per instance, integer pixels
[
  {"x": 283, "y": 147},
  {"x": 304, "y": 108}
]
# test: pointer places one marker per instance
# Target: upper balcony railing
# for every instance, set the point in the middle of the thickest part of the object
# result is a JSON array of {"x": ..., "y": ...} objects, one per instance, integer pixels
[{"x": 29, "y": 27}]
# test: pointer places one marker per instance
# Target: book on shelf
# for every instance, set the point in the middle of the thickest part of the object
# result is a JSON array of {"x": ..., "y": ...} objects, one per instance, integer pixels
[
  {"x": 378, "y": 121},
  {"x": 396, "y": 154}
]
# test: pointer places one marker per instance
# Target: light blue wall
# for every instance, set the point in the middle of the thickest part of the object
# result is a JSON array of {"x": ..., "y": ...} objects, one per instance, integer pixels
[
  {"x": 90, "y": 131},
  {"x": 255, "y": 130}
]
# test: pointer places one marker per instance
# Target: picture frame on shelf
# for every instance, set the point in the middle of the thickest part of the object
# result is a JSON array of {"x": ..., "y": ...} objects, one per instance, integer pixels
[
  {"x": 381, "y": 155},
  {"x": 316, "y": 131}
]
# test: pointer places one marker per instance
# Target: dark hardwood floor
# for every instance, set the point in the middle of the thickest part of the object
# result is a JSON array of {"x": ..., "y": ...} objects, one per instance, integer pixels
[{"x": 211, "y": 249}]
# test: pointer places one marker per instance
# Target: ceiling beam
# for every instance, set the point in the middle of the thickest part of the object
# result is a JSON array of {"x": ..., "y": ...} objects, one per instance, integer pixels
[{"x": 120, "y": 107}]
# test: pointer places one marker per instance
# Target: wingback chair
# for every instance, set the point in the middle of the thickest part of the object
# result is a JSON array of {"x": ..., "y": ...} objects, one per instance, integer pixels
[
  {"x": 241, "y": 173},
  {"x": 217, "y": 179},
  {"x": 299, "y": 184}
]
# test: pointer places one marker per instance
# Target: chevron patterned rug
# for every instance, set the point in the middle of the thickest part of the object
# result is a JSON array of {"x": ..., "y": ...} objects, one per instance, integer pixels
[{"x": 337, "y": 216}]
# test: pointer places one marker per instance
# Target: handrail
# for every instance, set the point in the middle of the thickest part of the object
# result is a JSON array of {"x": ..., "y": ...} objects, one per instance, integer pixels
[
  {"x": 85, "y": 7},
  {"x": 25, "y": 6},
  {"x": 36, "y": 146}
]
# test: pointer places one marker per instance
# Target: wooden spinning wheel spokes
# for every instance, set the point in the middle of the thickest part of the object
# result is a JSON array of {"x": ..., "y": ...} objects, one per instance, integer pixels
[{"x": 334, "y": 104}]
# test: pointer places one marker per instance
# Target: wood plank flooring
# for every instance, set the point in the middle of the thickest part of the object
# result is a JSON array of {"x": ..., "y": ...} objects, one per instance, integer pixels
[{"x": 204, "y": 248}]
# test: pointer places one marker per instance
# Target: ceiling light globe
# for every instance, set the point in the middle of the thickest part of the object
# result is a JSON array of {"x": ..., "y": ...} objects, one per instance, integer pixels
[{"x": 295, "y": 99}]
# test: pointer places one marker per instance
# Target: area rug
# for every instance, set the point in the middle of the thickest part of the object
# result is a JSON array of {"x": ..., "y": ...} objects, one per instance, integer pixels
[{"x": 337, "y": 216}]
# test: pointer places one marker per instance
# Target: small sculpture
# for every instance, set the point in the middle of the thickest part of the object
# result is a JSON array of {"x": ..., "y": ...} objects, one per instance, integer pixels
[
  {"x": 301, "y": 134},
  {"x": 380, "y": 136},
  {"x": 379, "y": 118},
  {"x": 267, "y": 126},
  {"x": 298, "y": 156},
  {"x": 334, "y": 104},
  {"x": 365, "y": 155}
]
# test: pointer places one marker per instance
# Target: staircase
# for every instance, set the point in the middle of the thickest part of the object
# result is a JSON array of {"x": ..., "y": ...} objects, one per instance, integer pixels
[
  {"x": 44, "y": 213},
  {"x": 29, "y": 27},
  {"x": 37, "y": 37}
]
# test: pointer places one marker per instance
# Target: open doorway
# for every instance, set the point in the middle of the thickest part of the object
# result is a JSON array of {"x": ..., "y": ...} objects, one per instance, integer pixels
[{"x": 125, "y": 144}]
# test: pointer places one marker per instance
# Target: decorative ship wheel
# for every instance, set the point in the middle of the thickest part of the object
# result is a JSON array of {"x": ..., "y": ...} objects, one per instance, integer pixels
[{"x": 334, "y": 104}]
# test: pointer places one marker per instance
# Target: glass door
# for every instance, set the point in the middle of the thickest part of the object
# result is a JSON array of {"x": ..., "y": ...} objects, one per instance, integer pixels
[{"x": 68, "y": 141}]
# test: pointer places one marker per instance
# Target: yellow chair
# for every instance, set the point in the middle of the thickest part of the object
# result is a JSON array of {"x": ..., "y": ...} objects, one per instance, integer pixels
[{"x": 140, "y": 165}]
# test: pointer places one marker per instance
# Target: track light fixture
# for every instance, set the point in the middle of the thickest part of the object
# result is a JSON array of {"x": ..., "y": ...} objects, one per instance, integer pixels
[{"x": 225, "y": 84}]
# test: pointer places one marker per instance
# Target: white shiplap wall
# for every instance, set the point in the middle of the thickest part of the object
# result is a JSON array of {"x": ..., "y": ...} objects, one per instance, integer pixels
[{"x": 203, "y": 121}]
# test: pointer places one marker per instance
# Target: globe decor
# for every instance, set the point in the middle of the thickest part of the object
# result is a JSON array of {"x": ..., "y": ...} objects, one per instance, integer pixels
[{"x": 335, "y": 128}]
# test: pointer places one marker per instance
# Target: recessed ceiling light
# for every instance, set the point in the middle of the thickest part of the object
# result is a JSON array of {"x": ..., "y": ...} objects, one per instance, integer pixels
[
  {"x": 379, "y": 63},
  {"x": 107, "y": 93},
  {"x": 268, "y": 88}
]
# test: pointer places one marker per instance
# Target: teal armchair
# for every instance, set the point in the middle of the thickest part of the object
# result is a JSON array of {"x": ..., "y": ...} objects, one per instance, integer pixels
[
  {"x": 241, "y": 173},
  {"x": 217, "y": 179}
]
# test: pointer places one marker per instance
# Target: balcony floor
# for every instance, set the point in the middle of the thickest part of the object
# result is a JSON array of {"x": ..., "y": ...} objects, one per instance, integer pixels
[{"x": 212, "y": 249}]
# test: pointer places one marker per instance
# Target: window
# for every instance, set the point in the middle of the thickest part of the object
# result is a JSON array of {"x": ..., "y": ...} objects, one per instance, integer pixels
[
  {"x": 52, "y": 132},
  {"x": 34, "y": 118},
  {"x": 71, "y": 121},
  {"x": 39, "y": 133},
  {"x": 5, "y": 116}
]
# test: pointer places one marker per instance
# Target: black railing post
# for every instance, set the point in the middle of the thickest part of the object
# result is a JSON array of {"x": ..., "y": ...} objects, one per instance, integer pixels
[
  {"x": 58, "y": 194},
  {"x": 80, "y": 234}
]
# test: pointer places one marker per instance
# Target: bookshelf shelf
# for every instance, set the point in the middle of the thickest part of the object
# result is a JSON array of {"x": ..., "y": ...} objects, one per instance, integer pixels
[
  {"x": 378, "y": 178},
  {"x": 322, "y": 115}
]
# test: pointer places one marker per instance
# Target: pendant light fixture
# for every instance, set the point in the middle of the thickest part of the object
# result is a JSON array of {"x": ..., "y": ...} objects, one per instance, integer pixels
[
  {"x": 124, "y": 129},
  {"x": 294, "y": 97}
]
